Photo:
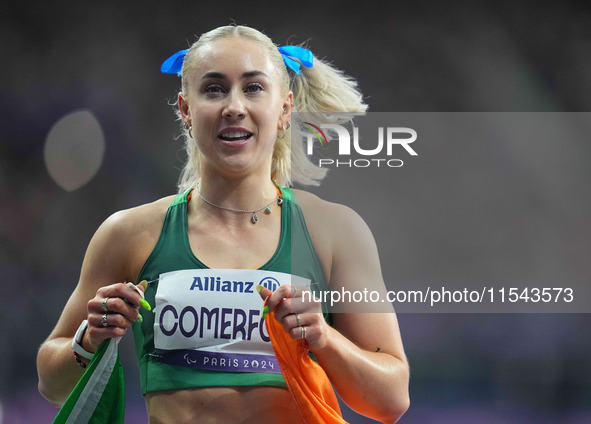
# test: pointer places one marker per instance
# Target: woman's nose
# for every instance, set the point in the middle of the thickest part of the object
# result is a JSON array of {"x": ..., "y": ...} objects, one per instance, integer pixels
[{"x": 234, "y": 106}]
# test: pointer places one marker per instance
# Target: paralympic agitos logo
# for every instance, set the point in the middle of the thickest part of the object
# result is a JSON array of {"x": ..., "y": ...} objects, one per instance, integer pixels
[{"x": 388, "y": 139}]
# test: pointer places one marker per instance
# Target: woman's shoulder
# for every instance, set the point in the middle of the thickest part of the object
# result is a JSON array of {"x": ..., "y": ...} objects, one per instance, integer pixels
[
  {"x": 125, "y": 239},
  {"x": 327, "y": 214},
  {"x": 331, "y": 224},
  {"x": 336, "y": 230},
  {"x": 138, "y": 224},
  {"x": 147, "y": 211}
]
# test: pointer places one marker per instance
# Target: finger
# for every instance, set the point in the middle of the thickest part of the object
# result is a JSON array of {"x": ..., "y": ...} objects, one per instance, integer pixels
[
  {"x": 263, "y": 292},
  {"x": 140, "y": 290},
  {"x": 114, "y": 292},
  {"x": 306, "y": 303},
  {"x": 284, "y": 309},
  {"x": 279, "y": 296},
  {"x": 300, "y": 332},
  {"x": 314, "y": 331},
  {"x": 299, "y": 305},
  {"x": 281, "y": 299},
  {"x": 291, "y": 321},
  {"x": 296, "y": 291},
  {"x": 117, "y": 305},
  {"x": 128, "y": 292},
  {"x": 114, "y": 299},
  {"x": 123, "y": 291},
  {"x": 112, "y": 320}
]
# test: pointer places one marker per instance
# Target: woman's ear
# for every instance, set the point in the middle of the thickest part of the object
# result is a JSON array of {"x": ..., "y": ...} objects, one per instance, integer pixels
[
  {"x": 287, "y": 108},
  {"x": 184, "y": 109}
]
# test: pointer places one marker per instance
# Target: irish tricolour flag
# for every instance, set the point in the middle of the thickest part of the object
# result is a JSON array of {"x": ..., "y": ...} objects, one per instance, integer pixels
[{"x": 99, "y": 396}]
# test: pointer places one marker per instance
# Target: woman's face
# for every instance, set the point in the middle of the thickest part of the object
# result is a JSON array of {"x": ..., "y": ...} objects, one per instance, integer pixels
[{"x": 235, "y": 106}]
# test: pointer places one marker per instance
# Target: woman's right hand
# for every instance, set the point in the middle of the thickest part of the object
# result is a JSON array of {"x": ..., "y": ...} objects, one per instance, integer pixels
[{"x": 111, "y": 312}]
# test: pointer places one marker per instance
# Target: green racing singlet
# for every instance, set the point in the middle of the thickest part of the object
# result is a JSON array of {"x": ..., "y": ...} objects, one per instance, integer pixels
[{"x": 206, "y": 328}]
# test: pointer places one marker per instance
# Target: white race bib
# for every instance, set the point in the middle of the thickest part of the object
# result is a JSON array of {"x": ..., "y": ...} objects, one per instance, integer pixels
[{"x": 212, "y": 319}]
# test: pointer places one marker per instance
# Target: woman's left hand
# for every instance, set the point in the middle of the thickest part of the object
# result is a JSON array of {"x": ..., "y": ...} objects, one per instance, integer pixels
[{"x": 299, "y": 313}]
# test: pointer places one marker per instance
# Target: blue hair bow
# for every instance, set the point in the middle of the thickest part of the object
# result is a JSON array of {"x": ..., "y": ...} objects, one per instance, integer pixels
[
  {"x": 304, "y": 55},
  {"x": 174, "y": 64}
]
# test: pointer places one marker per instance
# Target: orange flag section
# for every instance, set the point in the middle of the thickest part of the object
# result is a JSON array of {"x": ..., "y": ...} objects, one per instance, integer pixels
[{"x": 305, "y": 379}]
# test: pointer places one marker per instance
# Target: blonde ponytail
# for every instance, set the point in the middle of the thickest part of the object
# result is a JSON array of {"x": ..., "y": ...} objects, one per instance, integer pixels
[{"x": 324, "y": 95}]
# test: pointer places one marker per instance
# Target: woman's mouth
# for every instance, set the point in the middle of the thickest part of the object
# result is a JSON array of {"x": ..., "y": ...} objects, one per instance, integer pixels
[{"x": 234, "y": 137}]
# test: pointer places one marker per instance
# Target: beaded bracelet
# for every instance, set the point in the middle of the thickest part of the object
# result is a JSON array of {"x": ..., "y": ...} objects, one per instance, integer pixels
[{"x": 79, "y": 360}]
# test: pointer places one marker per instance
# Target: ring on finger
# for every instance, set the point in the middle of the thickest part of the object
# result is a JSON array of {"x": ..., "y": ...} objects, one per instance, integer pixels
[
  {"x": 104, "y": 321},
  {"x": 298, "y": 320},
  {"x": 303, "y": 332},
  {"x": 295, "y": 291},
  {"x": 104, "y": 304}
]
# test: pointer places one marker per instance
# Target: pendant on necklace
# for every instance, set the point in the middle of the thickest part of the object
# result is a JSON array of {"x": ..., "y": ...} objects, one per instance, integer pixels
[
  {"x": 268, "y": 210},
  {"x": 254, "y": 218}
]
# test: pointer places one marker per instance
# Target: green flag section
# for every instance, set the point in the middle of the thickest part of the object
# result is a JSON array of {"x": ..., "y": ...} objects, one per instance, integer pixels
[{"x": 99, "y": 396}]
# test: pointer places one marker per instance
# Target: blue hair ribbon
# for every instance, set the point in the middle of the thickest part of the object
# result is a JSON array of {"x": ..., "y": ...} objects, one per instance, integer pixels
[
  {"x": 304, "y": 55},
  {"x": 174, "y": 64}
]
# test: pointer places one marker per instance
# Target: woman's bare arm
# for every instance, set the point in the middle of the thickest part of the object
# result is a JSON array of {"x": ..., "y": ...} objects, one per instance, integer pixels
[
  {"x": 363, "y": 353},
  {"x": 114, "y": 256}
]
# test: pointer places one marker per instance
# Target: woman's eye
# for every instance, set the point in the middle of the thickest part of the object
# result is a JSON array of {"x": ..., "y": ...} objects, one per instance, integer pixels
[
  {"x": 254, "y": 88},
  {"x": 214, "y": 88}
]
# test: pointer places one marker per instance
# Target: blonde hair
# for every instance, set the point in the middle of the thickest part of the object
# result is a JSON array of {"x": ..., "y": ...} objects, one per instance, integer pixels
[{"x": 319, "y": 90}]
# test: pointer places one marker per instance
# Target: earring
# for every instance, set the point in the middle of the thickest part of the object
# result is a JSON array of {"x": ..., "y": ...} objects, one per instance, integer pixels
[
  {"x": 189, "y": 127},
  {"x": 284, "y": 111},
  {"x": 283, "y": 136}
]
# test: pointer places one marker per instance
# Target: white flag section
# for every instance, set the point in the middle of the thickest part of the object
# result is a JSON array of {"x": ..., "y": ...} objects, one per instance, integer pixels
[{"x": 99, "y": 396}]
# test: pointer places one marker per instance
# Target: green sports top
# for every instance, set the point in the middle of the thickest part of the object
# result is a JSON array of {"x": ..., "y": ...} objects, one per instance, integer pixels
[{"x": 295, "y": 255}]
